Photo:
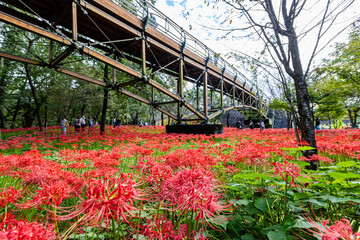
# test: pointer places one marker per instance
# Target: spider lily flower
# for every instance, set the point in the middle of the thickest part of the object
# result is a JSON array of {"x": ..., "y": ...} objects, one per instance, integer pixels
[
  {"x": 10, "y": 228},
  {"x": 106, "y": 199},
  {"x": 287, "y": 169},
  {"x": 340, "y": 230},
  {"x": 194, "y": 190},
  {"x": 9, "y": 195}
]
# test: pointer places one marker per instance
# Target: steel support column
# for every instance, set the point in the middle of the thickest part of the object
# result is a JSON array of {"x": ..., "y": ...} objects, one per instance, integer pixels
[
  {"x": 180, "y": 85},
  {"x": 222, "y": 92},
  {"x": 205, "y": 94},
  {"x": 197, "y": 96},
  {"x": 74, "y": 22},
  {"x": 143, "y": 58}
]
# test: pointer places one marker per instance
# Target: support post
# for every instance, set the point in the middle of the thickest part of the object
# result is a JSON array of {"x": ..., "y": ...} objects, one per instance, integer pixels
[
  {"x": 114, "y": 72},
  {"x": 222, "y": 92},
  {"x": 74, "y": 22},
  {"x": 152, "y": 94},
  {"x": 143, "y": 58},
  {"x": 180, "y": 85},
  {"x": 233, "y": 93},
  {"x": 51, "y": 51},
  {"x": 197, "y": 96},
  {"x": 105, "y": 102},
  {"x": 205, "y": 101}
]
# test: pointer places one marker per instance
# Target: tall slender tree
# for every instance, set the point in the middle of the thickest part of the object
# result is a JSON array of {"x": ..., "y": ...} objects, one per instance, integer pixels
[{"x": 275, "y": 23}]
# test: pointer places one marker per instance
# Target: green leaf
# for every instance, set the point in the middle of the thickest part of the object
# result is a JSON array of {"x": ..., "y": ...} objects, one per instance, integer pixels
[
  {"x": 263, "y": 204},
  {"x": 252, "y": 176},
  {"x": 247, "y": 237},
  {"x": 276, "y": 235},
  {"x": 241, "y": 202},
  {"x": 316, "y": 202},
  {"x": 251, "y": 209},
  {"x": 334, "y": 199},
  {"x": 303, "y": 148},
  {"x": 343, "y": 175},
  {"x": 301, "y": 223},
  {"x": 272, "y": 228},
  {"x": 347, "y": 164}
]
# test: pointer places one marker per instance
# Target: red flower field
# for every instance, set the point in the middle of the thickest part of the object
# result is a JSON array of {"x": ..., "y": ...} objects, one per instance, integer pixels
[{"x": 141, "y": 183}]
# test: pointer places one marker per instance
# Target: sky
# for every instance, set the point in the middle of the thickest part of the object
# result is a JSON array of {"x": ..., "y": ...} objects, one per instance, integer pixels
[{"x": 203, "y": 21}]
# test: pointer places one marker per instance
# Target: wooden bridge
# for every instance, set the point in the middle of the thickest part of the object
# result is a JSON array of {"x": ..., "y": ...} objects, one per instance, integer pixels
[{"x": 139, "y": 40}]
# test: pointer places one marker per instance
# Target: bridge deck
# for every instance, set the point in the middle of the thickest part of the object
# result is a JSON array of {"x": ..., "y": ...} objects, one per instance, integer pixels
[{"x": 104, "y": 21}]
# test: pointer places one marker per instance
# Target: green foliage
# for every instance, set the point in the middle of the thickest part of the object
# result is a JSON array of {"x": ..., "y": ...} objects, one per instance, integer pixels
[{"x": 336, "y": 86}]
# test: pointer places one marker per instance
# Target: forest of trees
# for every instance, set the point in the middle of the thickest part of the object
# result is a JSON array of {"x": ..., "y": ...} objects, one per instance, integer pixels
[{"x": 30, "y": 95}]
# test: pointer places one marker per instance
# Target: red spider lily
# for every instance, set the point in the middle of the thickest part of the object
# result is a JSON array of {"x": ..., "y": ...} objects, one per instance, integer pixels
[
  {"x": 196, "y": 190},
  {"x": 340, "y": 230},
  {"x": 50, "y": 194},
  {"x": 287, "y": 169},
  {"x": 103, "y": 172},
  {"x": 134, "y": 149},
  {"x": 163, "y": 229},
  {"x": 316, "y": 157},
  {"x": 189, "y": 158},
  {"x": 9, "y": 195},
  {"x": 152, "y": 171},
  {"x": 106, "y": 199},
  {"x": 12, "y": 229},
  {"x": 159, "y": 229}
]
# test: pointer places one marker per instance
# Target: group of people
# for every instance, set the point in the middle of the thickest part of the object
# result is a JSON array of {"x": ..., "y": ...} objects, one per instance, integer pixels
[
  {"x": 79, "y": 123},
  {"x": 116, "y": 122},
  {"x": 141, "y": 123}
]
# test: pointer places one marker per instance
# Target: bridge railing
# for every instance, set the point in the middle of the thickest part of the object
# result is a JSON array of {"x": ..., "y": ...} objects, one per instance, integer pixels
[{"x": 155, "y": 18}]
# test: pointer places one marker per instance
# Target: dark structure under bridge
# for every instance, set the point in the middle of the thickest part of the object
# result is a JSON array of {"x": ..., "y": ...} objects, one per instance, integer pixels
[{"x": 113, "y": 31}]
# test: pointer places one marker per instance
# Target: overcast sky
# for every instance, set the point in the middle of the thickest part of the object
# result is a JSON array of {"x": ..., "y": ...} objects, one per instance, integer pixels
[{"x": 202, "y": 20}]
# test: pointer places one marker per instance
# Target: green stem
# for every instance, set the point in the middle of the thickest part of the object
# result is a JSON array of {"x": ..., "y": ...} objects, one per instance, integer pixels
[
  {"x": 113, "y": 228},
  {"x": 285, "y": 198},
  {"x": 122, "y": 232}
]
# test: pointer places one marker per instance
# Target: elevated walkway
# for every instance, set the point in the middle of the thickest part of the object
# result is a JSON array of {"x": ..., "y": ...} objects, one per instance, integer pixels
[{"x": 123, "y": 36}]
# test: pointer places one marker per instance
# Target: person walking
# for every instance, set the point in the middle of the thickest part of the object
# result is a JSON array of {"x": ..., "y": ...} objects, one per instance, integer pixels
[
  {"x": 317, "y": 124},
  {"x": 118, "y": 122},
  {"x": 153, "y": 21},
  {"x": 90, "y": 123},
  {"x": 64, "y": 124},
  {"x": 251, "y": 124},
  {"x": 83, "y": 123},
  {"x": 262, "y": 125},
  {"x": 77, "y": 124}
]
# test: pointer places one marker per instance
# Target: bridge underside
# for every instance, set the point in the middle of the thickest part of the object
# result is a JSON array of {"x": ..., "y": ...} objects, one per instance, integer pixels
[{"x": 103, "y": 31}]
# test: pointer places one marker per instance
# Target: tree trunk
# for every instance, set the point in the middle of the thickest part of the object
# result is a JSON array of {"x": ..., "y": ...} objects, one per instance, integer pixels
[
  {"x": 288, "y": 115},
  {"x": 307, "y": 127},
  {"x": 17, "y": 107},
  {"x": 33, "y": 91},
  {"x": 162, "y": 119},
  {"x": 352, "y": 118},
  {"x": 28, "y": 116},
  {"x": 83, "y": 108},
  {"x": 355, "y": 118},
  {"x": 46, "y": 117},
  {"x": 2, "y": 93},
  {"x": 105, "y": 102}
]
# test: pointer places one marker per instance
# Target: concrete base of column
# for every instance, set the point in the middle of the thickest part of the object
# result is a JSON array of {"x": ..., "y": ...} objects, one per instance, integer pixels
[{"x": 207, "y": 129}]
